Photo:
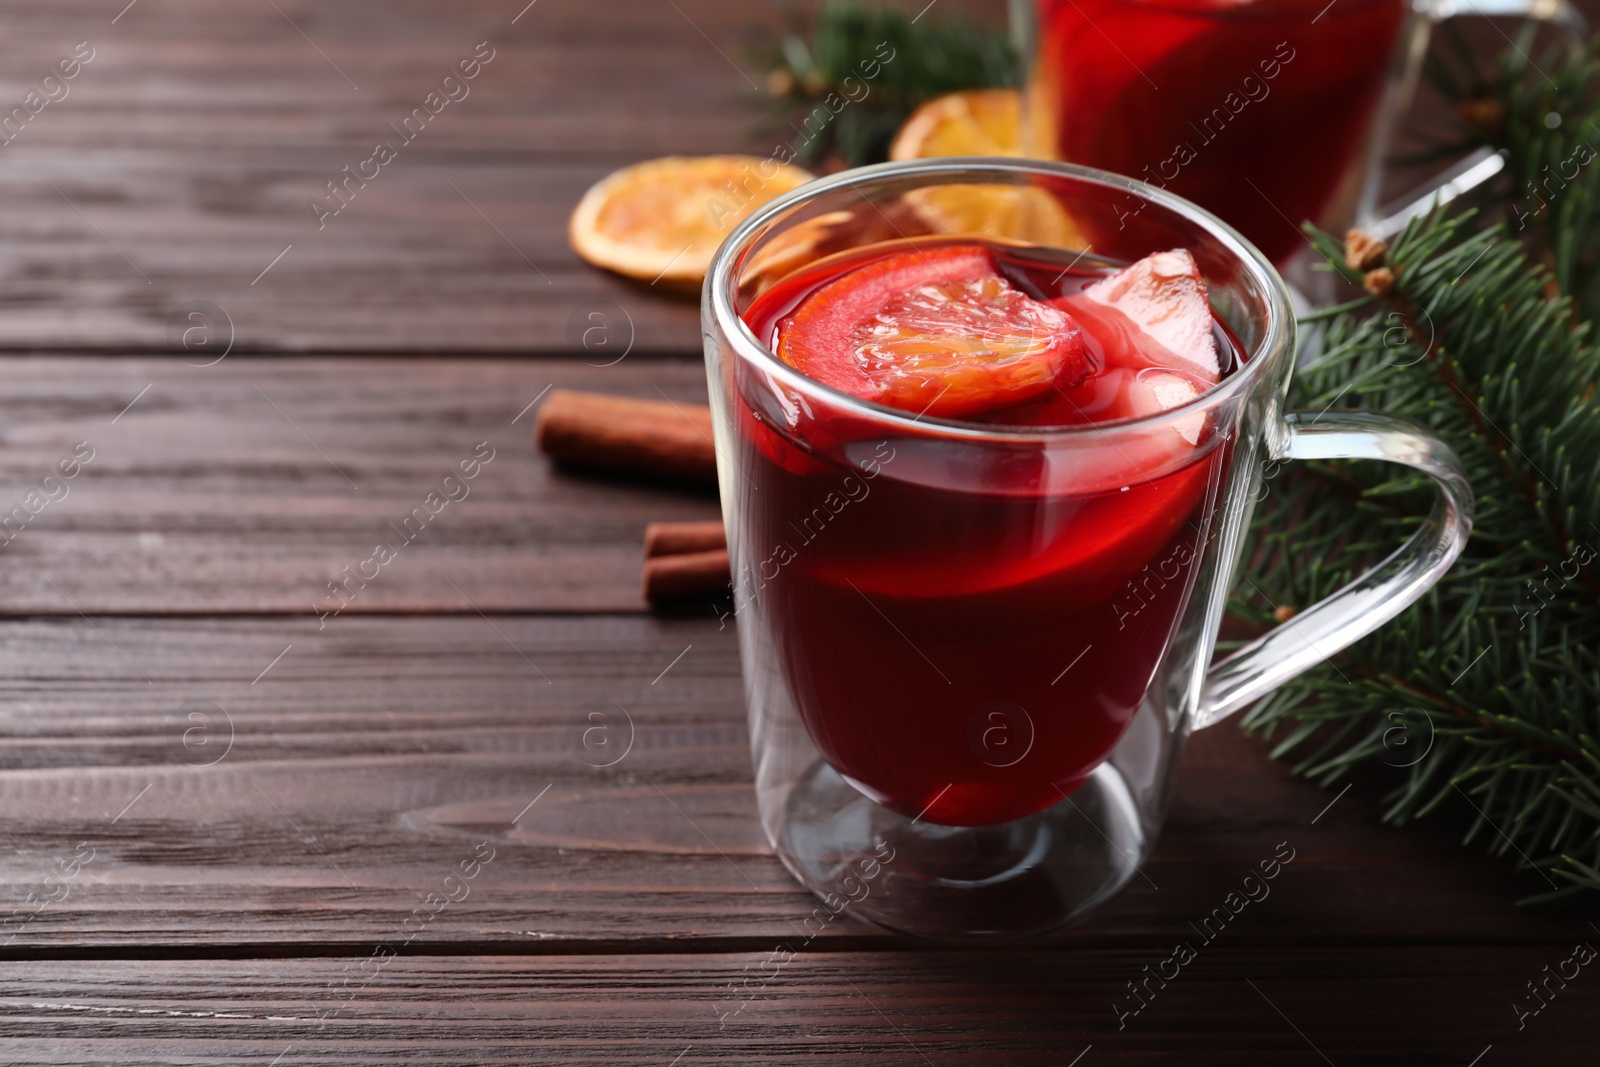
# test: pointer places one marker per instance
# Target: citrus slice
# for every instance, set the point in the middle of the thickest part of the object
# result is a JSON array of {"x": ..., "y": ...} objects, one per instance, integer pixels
[
  {"x": 937, "y": 331},
  {"x": 1007, "y": 212},
  {"x": 985, "y": 122},
  {"x": 663, "y": 219},
  {"x": 982, "y": 122},
  {"x": 791, "y": 248}
]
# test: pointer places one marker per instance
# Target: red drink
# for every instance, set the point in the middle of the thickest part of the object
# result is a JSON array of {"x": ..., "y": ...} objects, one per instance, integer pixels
[
  {"x": 972, "y": 656},
  {"x": 1206, "y": 97}
]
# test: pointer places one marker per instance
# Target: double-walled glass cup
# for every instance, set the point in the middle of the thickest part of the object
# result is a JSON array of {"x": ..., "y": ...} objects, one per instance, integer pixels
[
  {"x": 1268, "y": 112},
  {"x": 972, "y": 653}
]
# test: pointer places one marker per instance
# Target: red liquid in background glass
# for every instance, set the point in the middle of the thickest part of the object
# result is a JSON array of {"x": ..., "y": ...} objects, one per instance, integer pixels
[
  {"x": 969, "y": 657},
  {"x": 1205, "y": 97}
]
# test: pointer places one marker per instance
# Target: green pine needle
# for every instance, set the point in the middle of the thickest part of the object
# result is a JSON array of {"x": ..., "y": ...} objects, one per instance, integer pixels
[
  {"x": 840, "y": 97},
  {"x": 1485, "y": 696}
]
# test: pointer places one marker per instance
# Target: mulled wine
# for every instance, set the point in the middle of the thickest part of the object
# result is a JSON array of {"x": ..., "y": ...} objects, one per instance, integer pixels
[
  {"x": 1253, "y": 109},
  {"x": 970, "y": 656}
]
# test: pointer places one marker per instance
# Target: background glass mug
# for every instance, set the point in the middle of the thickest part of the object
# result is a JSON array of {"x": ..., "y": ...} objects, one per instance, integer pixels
[
  {"x": 1259, "y": 110},
  {"x": 972, "y": 653}
]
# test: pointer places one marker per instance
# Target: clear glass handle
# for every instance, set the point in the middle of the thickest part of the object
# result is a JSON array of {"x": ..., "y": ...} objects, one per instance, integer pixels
[
  {"x": 1406, "y": 65},
  {"x": 1377, "y": 596}
]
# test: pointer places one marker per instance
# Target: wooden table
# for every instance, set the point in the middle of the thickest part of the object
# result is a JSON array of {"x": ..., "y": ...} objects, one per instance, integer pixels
[{"x": 244, "y": 803}]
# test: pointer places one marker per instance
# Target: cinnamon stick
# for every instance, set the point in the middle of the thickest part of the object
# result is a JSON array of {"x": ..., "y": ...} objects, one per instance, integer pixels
[
  {"x": 686, "y": 575},
  {"x": 628, "y": 435},
  {"x": 677, "y": 538}
]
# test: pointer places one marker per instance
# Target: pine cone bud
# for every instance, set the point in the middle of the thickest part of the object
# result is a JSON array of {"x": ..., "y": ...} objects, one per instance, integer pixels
[
  {"x": 1378, "y": 282},
  {"x": 1363, "y": 251}
]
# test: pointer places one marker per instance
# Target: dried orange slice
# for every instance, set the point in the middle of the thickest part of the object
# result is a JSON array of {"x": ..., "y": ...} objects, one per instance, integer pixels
[
  {"x": 1006, "y": 212},
  {"x": 662, "y": 220},
  {"x": 984, "y": 122}
]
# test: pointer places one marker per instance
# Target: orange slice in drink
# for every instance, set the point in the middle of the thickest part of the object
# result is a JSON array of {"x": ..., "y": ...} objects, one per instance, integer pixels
[
  {"x": 662, "y": 220},
  {"x": 934, "y": 330}
]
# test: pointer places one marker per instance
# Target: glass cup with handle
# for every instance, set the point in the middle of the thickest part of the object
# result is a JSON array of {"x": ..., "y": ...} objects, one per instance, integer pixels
[
  {"x": 972, "y": 653},
  {"x": 1269, "y": 113}
]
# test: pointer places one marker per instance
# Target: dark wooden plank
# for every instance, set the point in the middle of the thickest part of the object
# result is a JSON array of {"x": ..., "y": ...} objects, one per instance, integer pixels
[
  {"x": 376, "y": 754},
  {"x": 249, "y": 485},
  {"x": 1268, "y": 1006},
  {"x": 372, "y": 757},
  {"x": 195, "y": 139},
  {"x": 186, "y": 154},
  {"x": 369, "y": 761}
]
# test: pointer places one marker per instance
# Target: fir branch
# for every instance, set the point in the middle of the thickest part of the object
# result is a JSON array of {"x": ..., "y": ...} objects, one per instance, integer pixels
[
  {"x": 1497, "y": 670},
  {"x": 930, "y": 57},
  {"x": 1541, "y": 108}
]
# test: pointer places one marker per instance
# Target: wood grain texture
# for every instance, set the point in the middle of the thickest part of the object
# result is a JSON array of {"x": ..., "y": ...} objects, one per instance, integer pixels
[
  {"x": 184, "y": 159},
  {"x": 1268, "y": 1006},
  {"x": 249, "y": 485},
  {"x": 251, "y": 800},
  {"x": 370, "y": 758},
  {"x": 186, "y": 154}
]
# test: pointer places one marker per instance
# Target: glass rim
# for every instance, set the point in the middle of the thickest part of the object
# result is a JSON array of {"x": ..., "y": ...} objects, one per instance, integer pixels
[{"x": 720, "y": 287}]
